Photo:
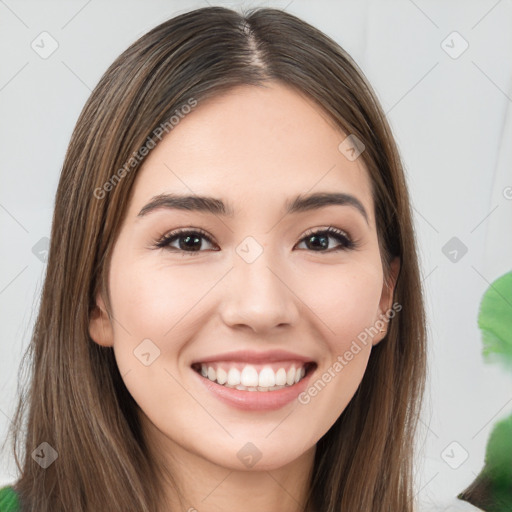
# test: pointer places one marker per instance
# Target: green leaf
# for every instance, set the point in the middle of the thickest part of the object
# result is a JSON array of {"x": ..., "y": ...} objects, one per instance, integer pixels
[
  {"x": 498, "y": 455},
  {"x": 495, "y": 321}
]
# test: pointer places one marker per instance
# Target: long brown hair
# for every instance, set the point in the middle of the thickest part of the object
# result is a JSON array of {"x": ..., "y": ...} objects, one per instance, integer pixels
[{"x": 77, "y": 401}]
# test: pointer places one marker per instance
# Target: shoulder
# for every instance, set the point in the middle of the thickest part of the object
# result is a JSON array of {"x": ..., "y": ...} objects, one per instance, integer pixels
[{"x": 8, "y": 499}]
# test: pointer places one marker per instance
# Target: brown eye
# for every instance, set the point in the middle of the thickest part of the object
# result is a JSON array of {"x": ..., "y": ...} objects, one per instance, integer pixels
[
  {"x": 189, "y": 241},
  {"x": 319, "y": 240}
]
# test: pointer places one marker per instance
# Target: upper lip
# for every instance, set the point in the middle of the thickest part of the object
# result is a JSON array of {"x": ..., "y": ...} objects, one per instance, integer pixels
[{"x": 251, "y": 356}]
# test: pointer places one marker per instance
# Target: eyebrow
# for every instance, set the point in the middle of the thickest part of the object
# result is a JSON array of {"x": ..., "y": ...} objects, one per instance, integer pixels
[{"x": 206, "y": 204}]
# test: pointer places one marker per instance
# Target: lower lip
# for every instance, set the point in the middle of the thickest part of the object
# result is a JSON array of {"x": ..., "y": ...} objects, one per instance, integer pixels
[{"x": 256, "y": 400}]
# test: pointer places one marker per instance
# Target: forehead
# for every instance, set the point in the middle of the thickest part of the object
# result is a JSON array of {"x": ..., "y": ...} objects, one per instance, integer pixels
[{"x": 256, "y": 146}]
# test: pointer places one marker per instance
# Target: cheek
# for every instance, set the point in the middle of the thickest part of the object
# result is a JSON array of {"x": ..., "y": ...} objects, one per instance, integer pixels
[
  {"x": 154, "y": 310},
  {"x": 345, "y": 301},
  {"x": 158, "y": 310},
  {"x": 346, "y": 307},
  {"x": 157, "y": 302}
]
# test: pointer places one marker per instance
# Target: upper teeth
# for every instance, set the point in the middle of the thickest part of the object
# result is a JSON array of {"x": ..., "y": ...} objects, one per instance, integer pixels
[{"x": 249, "y": 378}]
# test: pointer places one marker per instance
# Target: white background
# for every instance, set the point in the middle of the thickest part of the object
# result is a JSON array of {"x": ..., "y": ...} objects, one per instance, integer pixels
[{"x": 452, "y": 121}]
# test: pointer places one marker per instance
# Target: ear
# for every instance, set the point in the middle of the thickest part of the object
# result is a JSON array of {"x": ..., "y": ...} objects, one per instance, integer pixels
[
  {"x": 100, "y": 326},
  {"x": 386, "y": 300}
]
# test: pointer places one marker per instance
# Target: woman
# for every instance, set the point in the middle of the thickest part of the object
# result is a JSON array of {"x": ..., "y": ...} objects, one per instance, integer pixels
[{"x": 183, "y": 358}]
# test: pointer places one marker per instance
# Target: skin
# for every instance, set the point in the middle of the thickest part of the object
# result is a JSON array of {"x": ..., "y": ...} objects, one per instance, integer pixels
[{"x": 268, "y": 144}]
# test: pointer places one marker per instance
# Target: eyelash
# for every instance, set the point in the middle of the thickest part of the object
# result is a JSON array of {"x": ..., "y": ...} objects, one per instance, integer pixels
[{"x": 341, "y": 236}]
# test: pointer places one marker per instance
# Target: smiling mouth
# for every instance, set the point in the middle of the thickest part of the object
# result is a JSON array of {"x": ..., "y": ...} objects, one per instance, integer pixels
[{"x": 255, "y": 377}]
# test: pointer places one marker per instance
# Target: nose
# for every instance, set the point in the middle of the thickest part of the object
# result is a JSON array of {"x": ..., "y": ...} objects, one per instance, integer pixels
[{"x": 259, "y": 296}]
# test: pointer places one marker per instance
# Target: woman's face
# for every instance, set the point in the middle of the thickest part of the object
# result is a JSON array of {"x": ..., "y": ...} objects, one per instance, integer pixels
[{"x": 251, "y": 297}]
